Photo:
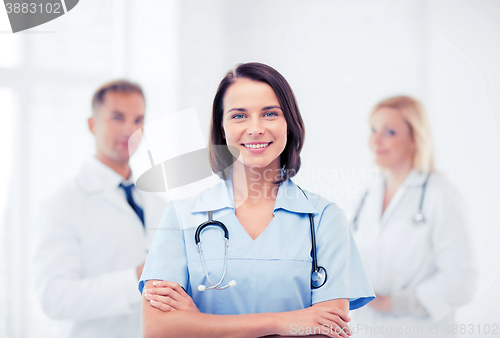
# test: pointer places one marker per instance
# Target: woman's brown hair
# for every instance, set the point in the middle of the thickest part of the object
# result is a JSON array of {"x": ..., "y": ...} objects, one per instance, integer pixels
[{"x": 220, "y": 156}]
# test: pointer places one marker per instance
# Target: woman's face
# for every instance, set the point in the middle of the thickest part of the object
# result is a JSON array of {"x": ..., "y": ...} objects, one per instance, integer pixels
[
  {"x": 254, "y": 123},
  {"x": 391, "y": 141}
]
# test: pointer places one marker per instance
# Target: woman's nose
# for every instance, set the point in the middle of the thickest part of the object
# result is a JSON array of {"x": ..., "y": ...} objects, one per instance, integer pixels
[
  {"x": 375, "y": 138},
  {"x": 255, "y": 127}
]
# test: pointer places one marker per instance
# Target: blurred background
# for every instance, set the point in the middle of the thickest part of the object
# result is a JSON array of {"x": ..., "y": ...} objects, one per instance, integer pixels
[{"x": 340, "y": 57}]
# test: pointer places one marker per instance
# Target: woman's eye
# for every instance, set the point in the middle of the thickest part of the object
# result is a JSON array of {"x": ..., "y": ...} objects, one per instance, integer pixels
[
  {"x": 117, "y": 117},
  {"x": 270, "y": 114},
  {"x": 390, "y": 132},
  {"x": 238, "y": 116},
  {"x": 373, "y": 130}
]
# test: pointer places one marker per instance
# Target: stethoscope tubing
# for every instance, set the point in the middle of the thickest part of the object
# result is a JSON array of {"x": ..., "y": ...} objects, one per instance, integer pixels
[
  {"x": 417, "y": 218},
  {"x": 313, "y": 243},
  {"x": 318, "y": 274}
]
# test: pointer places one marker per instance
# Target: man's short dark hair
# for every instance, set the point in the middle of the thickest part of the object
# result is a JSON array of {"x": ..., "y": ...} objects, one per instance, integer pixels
[{"x": 117, "y": 86}]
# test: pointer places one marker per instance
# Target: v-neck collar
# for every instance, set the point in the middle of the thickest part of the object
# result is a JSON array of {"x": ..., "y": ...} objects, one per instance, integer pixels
[
  {"x": 289, "y": 197},
  {"x": 245, "y": 232},
  {"x": 220, "y": 196}
]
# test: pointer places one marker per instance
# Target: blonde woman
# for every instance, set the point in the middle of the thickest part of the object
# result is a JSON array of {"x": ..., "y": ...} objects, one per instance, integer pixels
[{"x": 411, "y": 231}]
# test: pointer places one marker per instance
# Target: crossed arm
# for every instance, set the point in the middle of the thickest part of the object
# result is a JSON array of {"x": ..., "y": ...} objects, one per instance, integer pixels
[{"x": 167, "y": 311}]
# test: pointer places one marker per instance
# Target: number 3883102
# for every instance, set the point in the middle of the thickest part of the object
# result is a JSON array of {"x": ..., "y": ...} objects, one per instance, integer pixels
[{"x": 33, "y": 8}]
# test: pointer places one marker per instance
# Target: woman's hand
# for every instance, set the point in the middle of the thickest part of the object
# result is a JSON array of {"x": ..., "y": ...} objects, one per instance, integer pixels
[
  {"x": 381, "y": 303},
  {"x": 169, "y": 296},
  {"x": 319, "y": 319}
]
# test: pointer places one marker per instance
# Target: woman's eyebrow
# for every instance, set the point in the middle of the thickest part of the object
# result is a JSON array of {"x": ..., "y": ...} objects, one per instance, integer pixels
[
  {"x": 244, "y": 110},
  {"x": 236, "y": 109},
  {"x": 271, "y": 107}
]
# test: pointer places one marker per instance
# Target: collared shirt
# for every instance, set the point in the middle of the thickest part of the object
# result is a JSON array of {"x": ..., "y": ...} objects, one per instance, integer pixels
[
  {"x": 111, "y": 180},
  {"x": 272, "y": 272}
]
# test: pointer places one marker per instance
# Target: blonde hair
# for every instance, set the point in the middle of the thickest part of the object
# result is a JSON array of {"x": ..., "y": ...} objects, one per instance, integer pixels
[{"x": 420, "y": 130}]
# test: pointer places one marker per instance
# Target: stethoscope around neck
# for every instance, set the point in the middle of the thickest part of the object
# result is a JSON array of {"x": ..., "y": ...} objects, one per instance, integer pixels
[
  {"x": 418, "y": 218},
  {"x": 318, "y": 273},
  {"x": 197, "y": 240}
]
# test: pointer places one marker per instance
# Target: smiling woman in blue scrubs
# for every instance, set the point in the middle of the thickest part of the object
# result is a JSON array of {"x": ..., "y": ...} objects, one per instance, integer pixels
[{"x": 267, "y": 216}]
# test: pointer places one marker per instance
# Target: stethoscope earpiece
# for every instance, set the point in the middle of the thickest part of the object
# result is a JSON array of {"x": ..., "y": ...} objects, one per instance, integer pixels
[{"x": 203, "y": 287}]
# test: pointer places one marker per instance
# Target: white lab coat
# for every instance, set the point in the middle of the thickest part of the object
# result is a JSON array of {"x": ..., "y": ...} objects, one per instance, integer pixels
[
  {"x": 428, "y": 269},
  {"x": 88, "y": 247}
]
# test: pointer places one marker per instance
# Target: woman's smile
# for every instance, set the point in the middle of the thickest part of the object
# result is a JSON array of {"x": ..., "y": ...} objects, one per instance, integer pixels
[
  {"x": 256, "y": 145},
  {"x": 256, "y": 148}
]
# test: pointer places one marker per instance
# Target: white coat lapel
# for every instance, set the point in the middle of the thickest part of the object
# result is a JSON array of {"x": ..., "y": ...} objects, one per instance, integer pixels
[
  {"x": 392, "y": 204},
  {"x": 121, "y": 203},
  {"x": 378, "y": 199},
  {"x": 96, "y": 179},
  {"x": 413, "y": 178}
]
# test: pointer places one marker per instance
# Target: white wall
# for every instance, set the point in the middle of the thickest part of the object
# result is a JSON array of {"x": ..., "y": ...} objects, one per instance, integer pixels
[{"x": 464, "y": 106}]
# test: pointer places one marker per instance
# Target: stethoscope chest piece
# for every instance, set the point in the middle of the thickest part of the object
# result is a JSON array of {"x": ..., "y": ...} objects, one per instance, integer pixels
[
  {"x": 318, "y": 277},
  {"x": 418, "y": 218}
]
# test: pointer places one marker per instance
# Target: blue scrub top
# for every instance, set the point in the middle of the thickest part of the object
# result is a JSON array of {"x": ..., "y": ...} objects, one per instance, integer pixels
[{"x": 272, "y": 272}]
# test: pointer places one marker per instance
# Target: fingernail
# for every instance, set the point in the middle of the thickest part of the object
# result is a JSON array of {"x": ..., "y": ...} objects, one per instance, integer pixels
[
  {"x": 147, "y": 295},
  {"x": 152, "y": 302},
  {"x": 156, "y": 283}
]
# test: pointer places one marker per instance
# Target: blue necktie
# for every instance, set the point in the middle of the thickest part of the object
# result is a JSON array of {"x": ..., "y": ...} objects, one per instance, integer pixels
[{"x": 130, "y": 199}]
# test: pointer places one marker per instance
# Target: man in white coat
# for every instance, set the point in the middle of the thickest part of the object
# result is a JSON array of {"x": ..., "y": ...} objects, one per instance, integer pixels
[{"x": 94, "y": 232}]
